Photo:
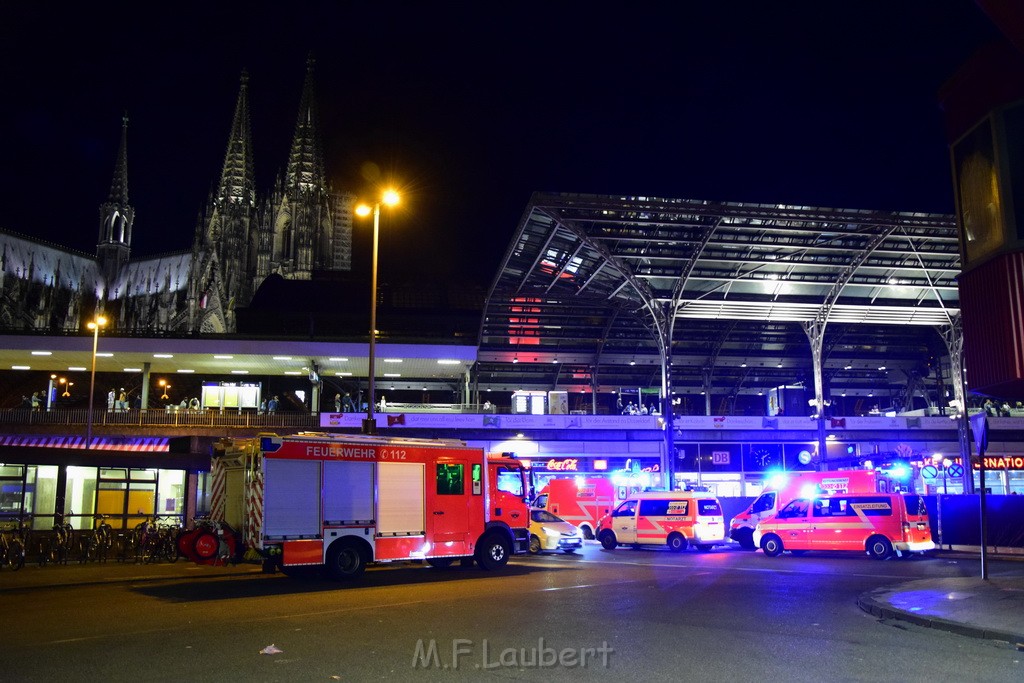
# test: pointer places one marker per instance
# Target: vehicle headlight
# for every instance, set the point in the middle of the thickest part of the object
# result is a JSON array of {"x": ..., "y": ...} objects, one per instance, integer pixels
[{"x": 551, "y": 532}]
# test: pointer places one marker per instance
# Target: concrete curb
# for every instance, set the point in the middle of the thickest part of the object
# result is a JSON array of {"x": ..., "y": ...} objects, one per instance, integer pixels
[{"x": 874, "y": 607}]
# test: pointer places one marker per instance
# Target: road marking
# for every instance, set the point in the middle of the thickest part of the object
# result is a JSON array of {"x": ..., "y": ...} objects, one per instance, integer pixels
[{"x": 772, "y": 570}]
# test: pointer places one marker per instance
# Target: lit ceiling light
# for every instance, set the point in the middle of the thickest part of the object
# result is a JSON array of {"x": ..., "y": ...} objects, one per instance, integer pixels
[
  {"x": 239, "y": 372},
  {"x": 338, "y": 360},
  {"x": 133, "y": 369},
  {"x": 42, "y": 353},
  {"x": 779, "y": 365},
  {"x": 882, "y": 368},
  {"x": 848, "y": 367},
  {"x": 75, "y": 368},
  {"x": 21, "y": 367},
  {"x": 392, "y": 374},
  {"x": 743, "y": 365},
  {"x": 105, "y": 355},
  {"x": 515, "y": 360},
  {"x": 282, "y": 357},
  {"x": 343, "y": 374},
  {"x": 392, "y": 360},
  {"x": 632, "y": 362},
  {"x": 445, "y": 361},
  {"x": 554, "y": 360},
  {"x": 185, "y": 371},
  {"x": 292, "y": 372},
  {"x": 223, "y": 357},
  {"x": 163, "y": 355}
]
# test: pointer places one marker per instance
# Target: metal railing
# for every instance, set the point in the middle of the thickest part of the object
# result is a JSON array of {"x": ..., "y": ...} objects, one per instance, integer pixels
[{"x": 158, "y": 418}]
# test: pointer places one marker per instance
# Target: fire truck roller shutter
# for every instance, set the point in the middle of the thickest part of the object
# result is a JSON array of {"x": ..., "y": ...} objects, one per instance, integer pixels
[
  {"x": 288, "y": 487},
  {"x": 348, "y": 492},
  {"x": 400, "y": 498}
]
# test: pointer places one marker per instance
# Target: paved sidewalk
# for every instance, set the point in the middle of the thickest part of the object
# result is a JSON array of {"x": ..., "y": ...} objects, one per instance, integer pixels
[
  {"x": 992, "y": 609},
  {"x": 75, "y": 574}
]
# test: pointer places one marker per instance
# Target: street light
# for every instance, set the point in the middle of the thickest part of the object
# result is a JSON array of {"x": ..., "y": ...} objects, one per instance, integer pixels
[
  {"x": 165, "y": 386},
  {"x": 95, "y": 324},
  {"x": 389, "y": 197}
]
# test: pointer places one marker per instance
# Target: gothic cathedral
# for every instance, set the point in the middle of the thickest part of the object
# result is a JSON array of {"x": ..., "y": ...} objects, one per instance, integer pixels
[{"x": 301, "y": 226}]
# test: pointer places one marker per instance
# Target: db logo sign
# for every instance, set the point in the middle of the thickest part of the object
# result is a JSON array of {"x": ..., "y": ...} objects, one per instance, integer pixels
[{"x": 720, "y": 457}]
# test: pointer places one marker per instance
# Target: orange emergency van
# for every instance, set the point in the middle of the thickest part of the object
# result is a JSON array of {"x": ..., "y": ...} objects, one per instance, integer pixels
[
  {"x": 673, "y": 518},
  {"x": 782, "y": 488},
  {"x": 879, "y": 524}
]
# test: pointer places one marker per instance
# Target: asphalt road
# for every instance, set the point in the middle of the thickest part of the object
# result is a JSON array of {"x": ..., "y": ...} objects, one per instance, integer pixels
[{"x": 646, "y": 615}]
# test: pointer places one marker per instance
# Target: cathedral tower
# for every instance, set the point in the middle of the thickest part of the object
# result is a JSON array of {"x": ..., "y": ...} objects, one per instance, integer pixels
[
  {"x": 223, "y": 253},
  {"x": 116, "y": 217}
]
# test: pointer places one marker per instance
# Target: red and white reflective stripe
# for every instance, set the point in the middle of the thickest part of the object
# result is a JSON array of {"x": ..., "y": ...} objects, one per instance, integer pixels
[
  {"x": 217, "y": 490},
  {"x": 254, "y": 511}
]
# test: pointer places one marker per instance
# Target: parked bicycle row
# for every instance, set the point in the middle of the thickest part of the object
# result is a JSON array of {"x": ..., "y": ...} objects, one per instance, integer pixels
[{"x": 149, "y": 541}]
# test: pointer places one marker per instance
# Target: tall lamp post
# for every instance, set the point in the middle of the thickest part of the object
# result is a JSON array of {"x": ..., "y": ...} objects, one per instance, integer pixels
[
  {"x": 389, "y": 197},
  {"x": 95, "y": 324}
]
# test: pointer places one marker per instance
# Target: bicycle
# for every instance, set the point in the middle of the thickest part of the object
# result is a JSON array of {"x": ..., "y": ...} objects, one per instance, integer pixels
[
  {"x": 12, "y": 549},
  {"x": 59, "y": 547},
  {"x": 96, "y": 545}
]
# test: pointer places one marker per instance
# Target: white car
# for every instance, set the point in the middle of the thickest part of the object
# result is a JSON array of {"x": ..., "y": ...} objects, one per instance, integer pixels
[{"x": 548, "y": 532}]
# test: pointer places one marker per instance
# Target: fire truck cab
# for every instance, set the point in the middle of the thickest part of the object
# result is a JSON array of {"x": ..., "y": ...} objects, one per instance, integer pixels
[{"x": 340, "y": 502}]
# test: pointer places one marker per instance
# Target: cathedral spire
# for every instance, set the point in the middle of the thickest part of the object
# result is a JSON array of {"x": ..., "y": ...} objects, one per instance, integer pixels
[
  {"x": 305, "y": 164},
  {"x": 113, "y": 247},
  {"x": 237, "y": 183},
  {"x": 119, "y": 186}
]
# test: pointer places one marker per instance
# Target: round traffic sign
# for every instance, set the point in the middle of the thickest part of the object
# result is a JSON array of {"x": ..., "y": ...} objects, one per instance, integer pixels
[
  {"x": 929, "y": 471},
  {"x": 955, "y": 470}
]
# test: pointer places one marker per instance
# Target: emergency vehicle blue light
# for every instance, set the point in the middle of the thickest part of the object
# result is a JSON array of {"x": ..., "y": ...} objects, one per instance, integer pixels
[
  {"x": 269, "y": 444},
  {"x": 899, "y": 471},
  {"x": 776, "y": 480}
]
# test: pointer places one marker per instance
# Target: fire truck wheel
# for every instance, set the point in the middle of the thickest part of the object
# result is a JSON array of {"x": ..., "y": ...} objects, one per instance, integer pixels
[
  {"x": 607, "y": 539},
  {"x": 676, "y": 542},
  {"x": 440, "y": 562},
  {"x": 345, "y": 561},
  {"x": 879, "y": 547},
  {"x": 771, "y": 545},
  {"x": 534, "y": 545},
  {"x": 493, "y": 552}
]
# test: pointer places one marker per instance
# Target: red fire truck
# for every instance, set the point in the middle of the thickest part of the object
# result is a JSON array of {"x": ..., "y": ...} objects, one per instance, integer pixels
[{"x": 342, "y": 501}]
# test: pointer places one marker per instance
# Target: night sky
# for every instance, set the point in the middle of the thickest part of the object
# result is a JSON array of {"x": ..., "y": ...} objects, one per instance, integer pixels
[{"x": 474, "y": 106}]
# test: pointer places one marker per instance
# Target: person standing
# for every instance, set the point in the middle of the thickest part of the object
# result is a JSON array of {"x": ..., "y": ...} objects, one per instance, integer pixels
[
  {"x": 110, "y": 401},
  {"x": 346, "y": 403},
  {"x": 122, "y": 401},
  {"x": 337, "y": 403},
  {"x": 272, "y": 405},
  {"x": 37, "y": 403}
]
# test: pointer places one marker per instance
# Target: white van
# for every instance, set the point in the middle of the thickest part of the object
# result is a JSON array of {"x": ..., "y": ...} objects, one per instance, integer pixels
[{"x": 674, "y": 518}]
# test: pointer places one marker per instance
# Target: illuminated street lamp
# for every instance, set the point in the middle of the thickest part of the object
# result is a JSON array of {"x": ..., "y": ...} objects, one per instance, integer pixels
[
  {"x": 165, "y": 386},
  {"x": 95, "y": 324},
  {"x": 389, "y": 197}
]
